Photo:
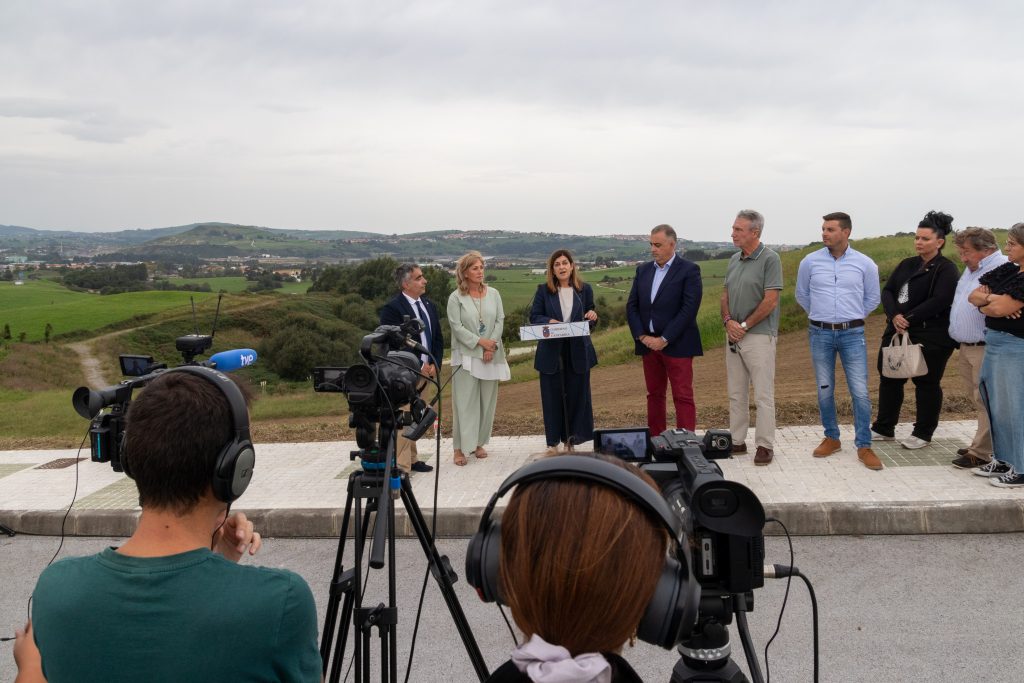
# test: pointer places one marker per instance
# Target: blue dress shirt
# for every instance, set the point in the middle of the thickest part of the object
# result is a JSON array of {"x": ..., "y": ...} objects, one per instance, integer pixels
[{"x": 837, "y": 290}]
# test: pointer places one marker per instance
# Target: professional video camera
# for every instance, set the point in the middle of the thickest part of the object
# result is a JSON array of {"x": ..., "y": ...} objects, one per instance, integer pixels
[
  {"x": 106, "y": 430},
  {"x": 724, "y": 522},
  {"x": 377, "y": 390}
]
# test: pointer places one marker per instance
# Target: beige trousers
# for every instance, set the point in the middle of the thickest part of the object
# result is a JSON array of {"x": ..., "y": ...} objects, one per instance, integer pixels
[
  {"x": 752, "y": 361},
  {"x": 405, "y": 451},
  {"x": 969, "y": 361}
]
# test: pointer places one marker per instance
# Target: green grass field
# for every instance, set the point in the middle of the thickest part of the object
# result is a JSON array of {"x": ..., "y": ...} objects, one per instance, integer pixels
[
  {"x": 234, "y": 285},
  {"x": 29, "y": 307}
]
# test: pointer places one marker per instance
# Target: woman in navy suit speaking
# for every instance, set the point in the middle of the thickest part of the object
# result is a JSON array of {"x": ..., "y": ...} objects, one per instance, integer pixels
[{"x": 564, "y": 364}]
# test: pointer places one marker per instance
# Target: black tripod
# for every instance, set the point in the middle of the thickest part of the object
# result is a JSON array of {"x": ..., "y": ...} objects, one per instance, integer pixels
[
  {"x": 705, "y": 654},
  {"x": 372, "y": 489}
]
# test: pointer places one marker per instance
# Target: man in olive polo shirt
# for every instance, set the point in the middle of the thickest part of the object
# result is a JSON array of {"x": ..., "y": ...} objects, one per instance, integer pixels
[{"x": 750, "y": 311}]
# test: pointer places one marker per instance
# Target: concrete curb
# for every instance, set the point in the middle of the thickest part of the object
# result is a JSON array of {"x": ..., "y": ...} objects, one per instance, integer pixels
[{"x": 802, "y": 519}]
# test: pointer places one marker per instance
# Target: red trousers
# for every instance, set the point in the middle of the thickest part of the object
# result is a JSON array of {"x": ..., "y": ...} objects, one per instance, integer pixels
[{"x": 660, "y": 370}]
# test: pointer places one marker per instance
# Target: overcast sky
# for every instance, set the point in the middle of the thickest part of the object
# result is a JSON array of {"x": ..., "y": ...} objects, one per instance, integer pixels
[{"x": 598, "y": 116}]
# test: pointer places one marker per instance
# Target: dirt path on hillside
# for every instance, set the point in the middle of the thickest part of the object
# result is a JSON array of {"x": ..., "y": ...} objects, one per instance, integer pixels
[{"x": 94, "y": 377}]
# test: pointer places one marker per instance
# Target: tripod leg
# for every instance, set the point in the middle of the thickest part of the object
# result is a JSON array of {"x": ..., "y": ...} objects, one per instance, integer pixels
[
  {"x": 337, "y": 586},
  {"x": 444, "y": 576},
  {"x": 346, "y": 584},
  {"x": 748, "y": 646}
]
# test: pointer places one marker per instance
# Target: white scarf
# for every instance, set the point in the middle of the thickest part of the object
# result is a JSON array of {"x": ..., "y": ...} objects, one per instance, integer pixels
[{"x": 547, "y": 663}]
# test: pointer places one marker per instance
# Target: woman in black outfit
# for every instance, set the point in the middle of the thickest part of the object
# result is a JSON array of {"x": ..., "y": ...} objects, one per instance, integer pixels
[
  {"x": 917, "y": 298},
  {"x": 564, "y": 364},
  {"x": 1001, "y": 298}
]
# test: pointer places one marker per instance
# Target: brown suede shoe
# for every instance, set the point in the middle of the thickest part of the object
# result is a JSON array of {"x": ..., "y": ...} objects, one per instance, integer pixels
[
  {"x": 827, "y": 447},
  {"x": 739, "y": 448},
  {"x": 868, "y": 457},
  {"x": 763, "y": 456}
]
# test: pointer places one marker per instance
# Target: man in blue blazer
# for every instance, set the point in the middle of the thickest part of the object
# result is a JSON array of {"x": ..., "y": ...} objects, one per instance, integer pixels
[
  {"x": 411, "y": 302},
  {"x": 662, "y": 314}
]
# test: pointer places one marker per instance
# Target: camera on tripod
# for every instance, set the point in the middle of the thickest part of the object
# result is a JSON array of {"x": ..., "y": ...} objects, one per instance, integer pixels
[
  {"x": 106, "y": 429},
  {"x": 724, "y": 525},
  {"x": 378, "y": 389}
]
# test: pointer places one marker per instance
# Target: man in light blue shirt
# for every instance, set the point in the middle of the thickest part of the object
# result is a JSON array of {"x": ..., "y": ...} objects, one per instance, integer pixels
[
  {"x": 838, "y": 287},
  {"x": 980, "y": 253}
]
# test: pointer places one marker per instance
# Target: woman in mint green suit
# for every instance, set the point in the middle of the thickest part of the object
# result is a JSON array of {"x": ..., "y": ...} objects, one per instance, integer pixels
[{"x": 476, "y": 317}]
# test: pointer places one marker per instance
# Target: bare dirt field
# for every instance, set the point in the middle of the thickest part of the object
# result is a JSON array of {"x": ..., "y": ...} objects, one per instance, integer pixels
[{"x": 619, "y": 396}]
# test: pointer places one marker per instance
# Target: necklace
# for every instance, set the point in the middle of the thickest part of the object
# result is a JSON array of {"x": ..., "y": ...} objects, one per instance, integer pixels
[{"x": 479, "y": 312}]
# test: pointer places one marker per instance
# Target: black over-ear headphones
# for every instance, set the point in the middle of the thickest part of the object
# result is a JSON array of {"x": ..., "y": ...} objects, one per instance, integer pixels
[
  {"x": 232, "y": 471},
  {"x": 672, "y": 610}
]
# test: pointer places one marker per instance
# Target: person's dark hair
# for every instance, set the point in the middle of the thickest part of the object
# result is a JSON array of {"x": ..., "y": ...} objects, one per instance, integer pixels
[
  {"x": 174, "y": 431},
  {"x": 403, "y": 272},
  {"x": 579, "y": 562},
  {"x": 979, "y": 239},
  {"x": 667, "y": 229},
  {"x": 844, "y": 220},
  {"x": 938, "y": 222},
  {"x": 574, "y": 279}
]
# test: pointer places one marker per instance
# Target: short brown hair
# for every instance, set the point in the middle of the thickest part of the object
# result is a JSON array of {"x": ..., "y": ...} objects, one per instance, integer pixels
[
  {"x": 669, "y": 231},
  {"x": 579, "y": 562},
  {"x": 844, "y": 220},
  {"x": 464, "y": 263},
  {"x": 174, "y": 431},
  {"x": 979, "y": 239},
  {"x": 575, "y": 280}
]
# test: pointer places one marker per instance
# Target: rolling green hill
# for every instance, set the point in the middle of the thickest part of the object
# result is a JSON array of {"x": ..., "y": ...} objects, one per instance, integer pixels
[{"x": 29, "y": 307}]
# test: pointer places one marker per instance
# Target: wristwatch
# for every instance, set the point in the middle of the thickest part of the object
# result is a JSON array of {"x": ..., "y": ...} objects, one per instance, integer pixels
[{"x": 743, "y": 324}]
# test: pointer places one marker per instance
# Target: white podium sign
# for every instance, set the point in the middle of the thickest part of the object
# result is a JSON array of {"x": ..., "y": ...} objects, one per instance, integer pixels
[{"x": 554, "y": 331}]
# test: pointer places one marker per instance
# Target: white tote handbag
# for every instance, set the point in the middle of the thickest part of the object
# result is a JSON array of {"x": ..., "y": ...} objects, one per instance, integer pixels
[{"x": 901, "y": 359}]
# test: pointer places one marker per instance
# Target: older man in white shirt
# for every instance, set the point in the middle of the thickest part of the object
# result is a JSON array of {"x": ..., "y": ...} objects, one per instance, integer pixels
[{"x": 980, "y": 253}]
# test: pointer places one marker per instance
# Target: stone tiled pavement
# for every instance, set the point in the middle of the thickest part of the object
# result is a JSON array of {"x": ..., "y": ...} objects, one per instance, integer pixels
[{"x": 300, "y": 489}]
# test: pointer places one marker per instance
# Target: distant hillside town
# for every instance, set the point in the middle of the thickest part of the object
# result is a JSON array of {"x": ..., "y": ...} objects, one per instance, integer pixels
[{"x": 219, "y": 249}]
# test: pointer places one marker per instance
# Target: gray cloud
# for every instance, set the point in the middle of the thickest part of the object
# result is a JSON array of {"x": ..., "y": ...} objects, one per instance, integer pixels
[
  {"x": 80, "y": 120},
  {"x": 386, "y": 114}
]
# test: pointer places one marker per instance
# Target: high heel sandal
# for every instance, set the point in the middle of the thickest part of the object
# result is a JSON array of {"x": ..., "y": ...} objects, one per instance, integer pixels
[{"x": 460, "y": 459}]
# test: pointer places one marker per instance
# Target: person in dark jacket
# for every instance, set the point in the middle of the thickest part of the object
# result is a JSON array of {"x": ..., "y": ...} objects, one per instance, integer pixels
[
  {"x": 411, "y": 302},
  {"x": 917, "y": 298},
  {"x": 662, "y": 314},
  {"x": 564, "y": 364}
]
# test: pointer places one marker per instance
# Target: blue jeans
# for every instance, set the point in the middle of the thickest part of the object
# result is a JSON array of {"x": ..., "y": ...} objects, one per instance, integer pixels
[
  {"x": 852, "y": 350},
  {"x": 1002, "y": 389}
]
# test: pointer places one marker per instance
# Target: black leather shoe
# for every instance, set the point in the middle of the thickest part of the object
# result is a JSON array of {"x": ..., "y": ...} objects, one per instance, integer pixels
[
  {"x": 420, "y": 466},
  {"x": 738, "y": 448},
  {"x": 962, "y": 451}
]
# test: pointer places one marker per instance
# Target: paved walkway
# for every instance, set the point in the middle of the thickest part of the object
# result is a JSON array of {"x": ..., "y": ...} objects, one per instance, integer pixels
[{"x": 300, "y": 489}]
